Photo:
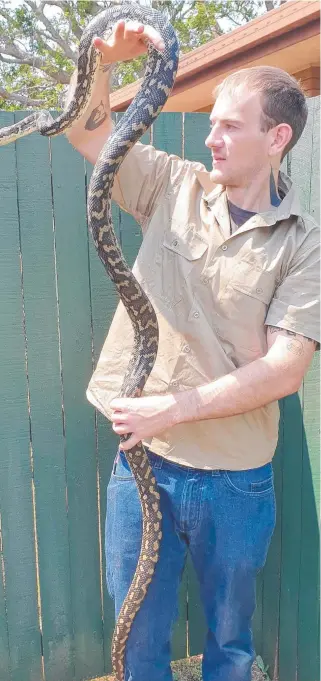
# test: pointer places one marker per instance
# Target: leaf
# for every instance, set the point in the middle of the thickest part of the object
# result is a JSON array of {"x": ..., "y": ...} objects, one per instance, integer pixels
[
  {"x": 262, "y": 667},
  {"x": 260, "y": 663}
]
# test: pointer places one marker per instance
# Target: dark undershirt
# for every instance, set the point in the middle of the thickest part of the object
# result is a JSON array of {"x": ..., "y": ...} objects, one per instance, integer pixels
[{"x": 239, "y": 215}]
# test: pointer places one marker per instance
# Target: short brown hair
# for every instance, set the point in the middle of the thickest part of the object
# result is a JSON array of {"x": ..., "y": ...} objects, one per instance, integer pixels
[{"x": 282, "y": 97}]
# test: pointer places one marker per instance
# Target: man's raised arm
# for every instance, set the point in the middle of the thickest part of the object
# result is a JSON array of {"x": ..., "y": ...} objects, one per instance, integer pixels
[{"x": 126, "y": 42}]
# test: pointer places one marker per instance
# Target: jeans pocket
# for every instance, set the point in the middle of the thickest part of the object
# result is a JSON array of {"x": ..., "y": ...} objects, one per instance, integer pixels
[
  {"x": 122, "y": 470},
  {"x": 110, "y": 581},
  {"x": 121, "y": 467},
  {"x": 254, "y": 481}
]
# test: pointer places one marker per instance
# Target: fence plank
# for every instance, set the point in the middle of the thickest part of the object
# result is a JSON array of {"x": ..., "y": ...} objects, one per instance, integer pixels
[
  {"x": 167, "y": 133},
  {"x": 300, "y": 169},
  {"x": 314, "y": 203},
  {"x": 301, "y": 160},
  {"x": 19, "y": 615},
  {"x": 197, "y": 628},
  {"x": 272, "y": 569},
  {"x": 5, "y": 672},
  {"x": 68, "y": 179},
  {"x": 194, "y": 135},
  {"x": 291, "y": 537},
  {"x": 37, "y": 239},
  {"x": 4, "y": 638},
  {"x": 309, "y": 593}
]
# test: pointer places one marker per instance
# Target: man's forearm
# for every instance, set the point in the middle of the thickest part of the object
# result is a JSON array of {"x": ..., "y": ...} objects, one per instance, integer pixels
[
  {"x": 94, "y": 127},
  {"x": 277, "y": 374},
  {"x": 243, "y": 390}
]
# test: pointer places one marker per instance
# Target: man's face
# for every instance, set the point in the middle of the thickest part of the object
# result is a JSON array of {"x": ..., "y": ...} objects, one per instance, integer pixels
[{"x": 239, "y": 148}]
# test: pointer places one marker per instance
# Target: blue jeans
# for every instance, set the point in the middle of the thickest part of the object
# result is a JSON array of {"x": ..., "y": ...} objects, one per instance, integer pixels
[{"x": 226, "y": 520}]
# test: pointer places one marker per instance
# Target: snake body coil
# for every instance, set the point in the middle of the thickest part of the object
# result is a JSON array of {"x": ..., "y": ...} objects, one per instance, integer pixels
[{"x": 158, "y": 81}]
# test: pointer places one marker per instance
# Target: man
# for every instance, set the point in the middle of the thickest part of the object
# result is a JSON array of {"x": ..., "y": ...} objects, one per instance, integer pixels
[{"x": 230, "y": 264}]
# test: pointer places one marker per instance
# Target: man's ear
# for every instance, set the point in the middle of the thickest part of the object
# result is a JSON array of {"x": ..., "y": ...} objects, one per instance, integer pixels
[{"x": 280, "y": 137}]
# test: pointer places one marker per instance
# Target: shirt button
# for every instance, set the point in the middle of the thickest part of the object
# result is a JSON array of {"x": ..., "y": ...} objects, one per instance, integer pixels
[
  {"x": 224, "y": 248},
  {"x": 186, "y": 348},
  {"x": 205, "y": 280},
  {"x": 259, "y": 290},
  {"x": 174, "y": 243},
  {"x": 175, "y": 384},
  {"x": 196, "y": 314}
]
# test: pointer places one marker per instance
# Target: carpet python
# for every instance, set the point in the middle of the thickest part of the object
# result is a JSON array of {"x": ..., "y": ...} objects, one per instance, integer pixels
[{"x": 157, "y": 84}]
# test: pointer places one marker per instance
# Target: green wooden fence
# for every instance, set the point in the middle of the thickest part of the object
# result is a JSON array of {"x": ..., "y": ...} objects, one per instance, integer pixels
[{"x": 56, "y": 304}]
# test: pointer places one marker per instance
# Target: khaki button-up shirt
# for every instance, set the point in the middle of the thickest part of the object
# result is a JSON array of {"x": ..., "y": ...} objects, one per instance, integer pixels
[{"x": 214, "y": 295}]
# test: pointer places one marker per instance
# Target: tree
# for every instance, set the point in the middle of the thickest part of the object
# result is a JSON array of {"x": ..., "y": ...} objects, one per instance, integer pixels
[{"x": 39, "y": 41}]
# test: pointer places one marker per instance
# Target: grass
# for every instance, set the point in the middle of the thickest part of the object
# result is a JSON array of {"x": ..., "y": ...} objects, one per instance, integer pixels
[{"x": 190, "y": 670}]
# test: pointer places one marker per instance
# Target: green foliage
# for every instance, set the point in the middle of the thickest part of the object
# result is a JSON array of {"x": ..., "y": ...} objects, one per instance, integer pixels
[
  {"x": 38, "y": 52},
  {"x": 262, "y": 667}
]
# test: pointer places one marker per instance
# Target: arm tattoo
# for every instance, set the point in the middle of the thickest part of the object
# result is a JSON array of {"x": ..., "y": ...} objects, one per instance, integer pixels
[
  {"x": 293, "y": 345},
  {"x": 105, "y": 68},
  {"x": 96, "y": 118}
]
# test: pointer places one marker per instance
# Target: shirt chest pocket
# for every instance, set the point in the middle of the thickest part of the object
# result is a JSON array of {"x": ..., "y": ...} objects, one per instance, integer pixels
[
  {"x": 165, "y": 270},
  {"x": 248, "y": 278},
  {"x": 184, "y": 247},
  {"x": 183, "y": 255},
  {"x": 242, "y": 308}
]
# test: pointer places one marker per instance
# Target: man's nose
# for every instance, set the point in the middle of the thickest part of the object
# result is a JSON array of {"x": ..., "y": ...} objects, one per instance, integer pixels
[{"x": 214, "y": 139}]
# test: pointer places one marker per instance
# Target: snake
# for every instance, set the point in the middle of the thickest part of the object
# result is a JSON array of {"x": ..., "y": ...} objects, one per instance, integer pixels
[{"x": 157, "y": 84}]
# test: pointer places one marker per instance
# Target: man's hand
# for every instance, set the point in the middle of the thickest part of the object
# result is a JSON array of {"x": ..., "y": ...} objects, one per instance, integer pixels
[
  {"x": 128, "y": 41},
  {"x": 277, "y": 374},
  {"x": 143, "y": 417}
]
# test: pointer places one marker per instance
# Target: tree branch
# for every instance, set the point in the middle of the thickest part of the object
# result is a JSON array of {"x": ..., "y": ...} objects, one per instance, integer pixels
[
  {"x": 5, "y": 13},
  {"x": 13, "y": 51},
  {"x": 270, "y": 4},
  {"x": 58, "y": 75},
  {"x": 98, "y": 8},
  {"x": 184, "y": 14},
  {"x": 228, "y": 16},
  {"x": 56, "y": 37},
  {"x": 9, "y": 61},
  {"x": 22, "y": 99},
  {"x": 73, "y": 24},
  {"x": 40, "y": 37}
]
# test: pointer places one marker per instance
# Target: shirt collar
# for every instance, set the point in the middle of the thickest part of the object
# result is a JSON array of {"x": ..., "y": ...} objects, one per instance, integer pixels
[{"x": 290, "y": 204}]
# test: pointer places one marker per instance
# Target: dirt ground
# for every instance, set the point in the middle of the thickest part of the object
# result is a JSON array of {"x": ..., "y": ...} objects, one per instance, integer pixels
[{"x": 190, "y": 670}]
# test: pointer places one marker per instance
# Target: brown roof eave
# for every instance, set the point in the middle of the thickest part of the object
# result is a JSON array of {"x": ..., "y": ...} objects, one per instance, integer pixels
[
  {"x": 240, "y": 59},
  {"x": 284, "y": 26}
]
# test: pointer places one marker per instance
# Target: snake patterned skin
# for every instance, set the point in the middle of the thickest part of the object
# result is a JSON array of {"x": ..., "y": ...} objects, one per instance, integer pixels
[{"x": 158, "y": 81}]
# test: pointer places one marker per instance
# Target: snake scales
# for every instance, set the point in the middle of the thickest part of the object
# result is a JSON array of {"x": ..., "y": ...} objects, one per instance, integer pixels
[{"x": 158, "y": 81}]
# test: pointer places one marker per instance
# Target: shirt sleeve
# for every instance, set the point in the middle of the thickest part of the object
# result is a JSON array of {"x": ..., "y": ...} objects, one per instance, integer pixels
[
  {"x": 296, "y": 302},
  {"x": 143, "y": 178}
]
